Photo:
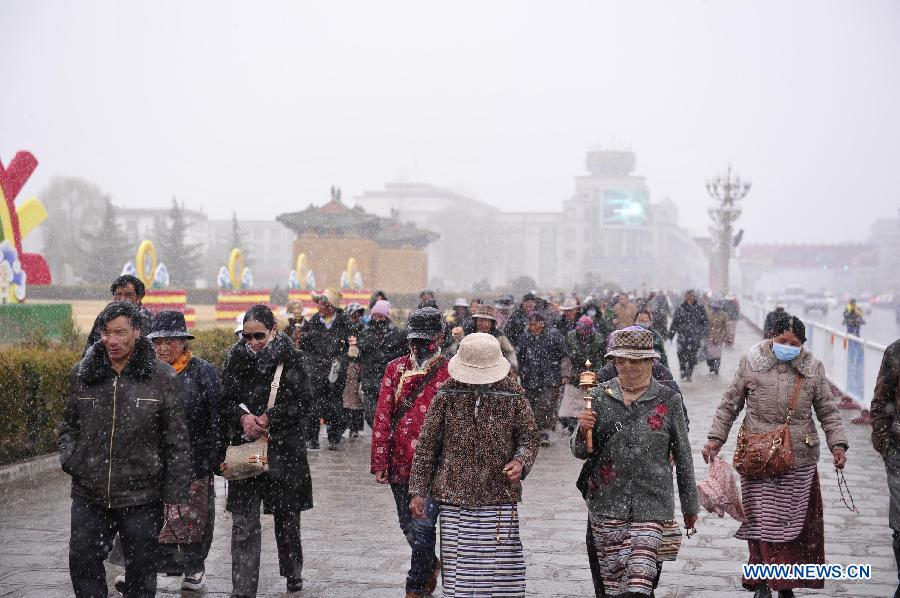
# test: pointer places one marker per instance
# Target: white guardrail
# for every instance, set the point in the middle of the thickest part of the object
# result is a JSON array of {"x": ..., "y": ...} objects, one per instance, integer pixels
[{"x": 850, "y": 362}]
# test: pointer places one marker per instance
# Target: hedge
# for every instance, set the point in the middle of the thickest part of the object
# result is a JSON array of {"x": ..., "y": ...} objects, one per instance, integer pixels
[{"x": 34, "y": 380}]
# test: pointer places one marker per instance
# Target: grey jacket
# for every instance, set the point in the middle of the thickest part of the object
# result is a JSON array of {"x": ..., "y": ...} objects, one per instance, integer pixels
[
  {"x": 764, "y": 385},
  {"x": 630, "y": 475}
]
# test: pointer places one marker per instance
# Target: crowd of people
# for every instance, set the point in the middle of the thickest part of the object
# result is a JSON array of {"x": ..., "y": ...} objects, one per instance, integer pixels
[{"x": 459, "y": 404}]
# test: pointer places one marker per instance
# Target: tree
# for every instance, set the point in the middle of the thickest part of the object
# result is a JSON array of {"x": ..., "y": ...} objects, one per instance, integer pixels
[
  {"x": 72, "y": 207},
  {"x": 103, "y": 253},
  {"x": 183, "y": 260},
  {"x": 237, "y": 239},
  {"x": 521, "y": 285}
]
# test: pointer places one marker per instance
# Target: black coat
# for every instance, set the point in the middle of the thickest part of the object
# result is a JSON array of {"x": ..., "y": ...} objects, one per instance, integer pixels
[
  {"x": 540, "y": 359},
  {"x": 123, "y": 438},
  {"x": 322, "y": 345},
  {"x": 201, "y": 394},
  {"x": 247, "y": 379},
  {"x": 378, "y": 346},
  {"x": 690, "y": 322}
]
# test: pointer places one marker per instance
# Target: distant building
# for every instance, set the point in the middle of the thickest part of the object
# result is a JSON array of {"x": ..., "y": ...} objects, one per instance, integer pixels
[
  {"x": 885, "y": 236},
  {"x": 608, "y": 228},
  {"x": 389, "y": 254},
  {"x": 267, "y": 245}
]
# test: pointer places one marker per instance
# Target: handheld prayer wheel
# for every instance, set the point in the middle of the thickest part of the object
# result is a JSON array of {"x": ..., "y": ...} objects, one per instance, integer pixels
[{"x": 587, "y": 381}]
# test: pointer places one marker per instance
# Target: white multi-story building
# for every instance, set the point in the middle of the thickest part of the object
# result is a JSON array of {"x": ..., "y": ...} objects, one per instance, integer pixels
[
  {"x": 608, "y": 229},
  {"x": 268, "y": 246}
]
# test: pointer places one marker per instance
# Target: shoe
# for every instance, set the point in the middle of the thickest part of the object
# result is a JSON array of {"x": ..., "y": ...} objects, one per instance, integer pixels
[
  {"x": 119, "y": 584},
  {"x": 333, "y": 446},
  {"x": 312, "y": 445},
  {"x": 545, "y": 439},
  {"x": 763, "y": 592},
  {"x": 193, "y": 581},
  {"x": 354, "y": 434},
  {"x": 295, "y": 585},
  {"x": 785, "y": 593},
  {"x": 414, "y": 595},
  {"x": 435, "y": 574}
]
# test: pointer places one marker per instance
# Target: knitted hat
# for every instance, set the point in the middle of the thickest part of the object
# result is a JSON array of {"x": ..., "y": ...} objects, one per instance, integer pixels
[
  {"x": 585, "y": 323},
  {"x": 485, "y": 312},
  {"x": 382, "y": 307}
]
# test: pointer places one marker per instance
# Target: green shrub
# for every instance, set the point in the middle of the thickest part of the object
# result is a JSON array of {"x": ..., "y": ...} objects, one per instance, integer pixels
[
  {"x": 33, "y": 386},
  {"x": 212, "y": 345}
]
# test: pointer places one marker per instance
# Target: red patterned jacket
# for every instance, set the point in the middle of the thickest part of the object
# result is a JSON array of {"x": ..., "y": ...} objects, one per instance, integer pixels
[{"x": 394, "y": 453}]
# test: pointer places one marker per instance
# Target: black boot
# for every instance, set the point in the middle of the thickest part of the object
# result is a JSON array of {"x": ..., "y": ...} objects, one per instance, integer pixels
[
  {"x": 785, "y": 593},
  {"x": 762, "y": 591}
]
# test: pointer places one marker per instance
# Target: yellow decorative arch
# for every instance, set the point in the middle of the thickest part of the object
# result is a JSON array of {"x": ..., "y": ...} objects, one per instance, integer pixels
[
  {"x": 146, "y": 262},
  {"x": 302, "y": 268},
  {"x": 352, "y": 269},
  {"x": 235, "y": 268}
]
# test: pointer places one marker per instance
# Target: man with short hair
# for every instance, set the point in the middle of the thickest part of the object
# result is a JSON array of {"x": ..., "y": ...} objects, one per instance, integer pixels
[
  {"x": 544, "y": 367},
  {"x": 409, "y": 385},
  {"x": 125, "y": 288},
  {"x": 125, "y": 443}
]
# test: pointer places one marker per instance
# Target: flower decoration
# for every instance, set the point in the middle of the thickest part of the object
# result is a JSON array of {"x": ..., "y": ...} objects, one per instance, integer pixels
[
  {"x": 655, "y": 421},
  {"x": 607, "y": 472},
  {"x": 662, "y": 410},
  {"x": 12, "y": 276}
]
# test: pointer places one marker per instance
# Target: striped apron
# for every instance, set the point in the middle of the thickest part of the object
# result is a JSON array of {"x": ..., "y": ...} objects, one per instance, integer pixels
[{"x": 481, "y": 552}]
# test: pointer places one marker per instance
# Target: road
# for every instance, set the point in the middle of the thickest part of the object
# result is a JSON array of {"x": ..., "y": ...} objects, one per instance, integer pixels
[
  {"x": 353, "y": 546},
  {"x": 880, "y": 327}
]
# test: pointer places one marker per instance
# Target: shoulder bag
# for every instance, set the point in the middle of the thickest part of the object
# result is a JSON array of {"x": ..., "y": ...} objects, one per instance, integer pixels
[
  {"x": 768, "y": 455},
  {"x": 252, "y": 458}
]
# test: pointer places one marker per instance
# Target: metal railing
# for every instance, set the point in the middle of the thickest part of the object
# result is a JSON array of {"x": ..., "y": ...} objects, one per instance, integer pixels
[{"x": 851, "y": 362}]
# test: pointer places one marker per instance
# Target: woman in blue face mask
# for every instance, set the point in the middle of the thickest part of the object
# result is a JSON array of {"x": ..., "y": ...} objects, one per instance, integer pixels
[{"x": 784, "y": 523}]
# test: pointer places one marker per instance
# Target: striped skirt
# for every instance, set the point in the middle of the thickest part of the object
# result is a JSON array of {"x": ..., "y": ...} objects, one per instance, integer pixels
[
  {"x": 626, "y": 552},
  {"x": 481, "y": 552}
]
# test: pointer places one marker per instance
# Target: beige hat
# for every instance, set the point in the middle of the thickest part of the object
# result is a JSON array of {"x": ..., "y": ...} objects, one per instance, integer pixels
[
  {"x": 478, "y": 360},
  {"x": 484, "y": 311},
  {"x": 331, "y": 295},
  {"x": 633, "y": 342},
  {"x": 569, "y": 303}
]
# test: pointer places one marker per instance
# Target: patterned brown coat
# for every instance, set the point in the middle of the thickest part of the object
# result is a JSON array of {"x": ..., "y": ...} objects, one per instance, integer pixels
[{"x": 469, "y": 435}]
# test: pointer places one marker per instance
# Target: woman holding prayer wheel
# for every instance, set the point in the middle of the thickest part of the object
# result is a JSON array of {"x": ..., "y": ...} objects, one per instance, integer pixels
[{"x": 635, "y": 424}]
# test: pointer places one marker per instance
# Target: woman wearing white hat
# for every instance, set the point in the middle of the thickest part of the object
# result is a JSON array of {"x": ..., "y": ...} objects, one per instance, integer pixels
[{"x": 478, "y": 442}]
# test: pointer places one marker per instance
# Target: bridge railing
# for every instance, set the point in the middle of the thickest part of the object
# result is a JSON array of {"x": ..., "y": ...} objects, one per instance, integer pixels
[{"x": 850, "y": 362}]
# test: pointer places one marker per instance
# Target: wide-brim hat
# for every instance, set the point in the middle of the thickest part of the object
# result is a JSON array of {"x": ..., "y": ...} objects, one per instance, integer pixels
[
  {"x": 633, "y": 342},
  {"x": 460, "y": 302},
  {"x": 169, "y": 324},
  {"x": 331, "y": 295},
  {"x": 479, "y": 360},
  {"x": 569, "y": 304},
  {"x": 485, "y": 312}
]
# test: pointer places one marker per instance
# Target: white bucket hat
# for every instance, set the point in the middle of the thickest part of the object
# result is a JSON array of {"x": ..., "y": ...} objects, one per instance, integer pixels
[{"x": 478, "y": 360}]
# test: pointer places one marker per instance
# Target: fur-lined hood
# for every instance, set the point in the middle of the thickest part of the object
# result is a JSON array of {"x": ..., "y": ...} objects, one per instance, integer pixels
[
  {"x": 762, "y": 359},
  {"x": 95, "y": 366}
]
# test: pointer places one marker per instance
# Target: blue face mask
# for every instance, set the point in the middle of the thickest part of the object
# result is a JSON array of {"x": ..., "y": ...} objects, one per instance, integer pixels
[
  {"x": 642, "y": 324},
  {"x": 785, "y": 352}
]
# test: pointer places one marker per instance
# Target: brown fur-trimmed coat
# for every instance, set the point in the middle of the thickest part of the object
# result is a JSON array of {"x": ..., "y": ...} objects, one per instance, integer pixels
[{"x": 460, "y": 456}]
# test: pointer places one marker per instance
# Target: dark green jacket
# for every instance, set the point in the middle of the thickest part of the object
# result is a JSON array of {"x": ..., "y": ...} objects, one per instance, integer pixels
[
  {"x": 628, "y": 474},
  {"x": 581, "y": 350}
]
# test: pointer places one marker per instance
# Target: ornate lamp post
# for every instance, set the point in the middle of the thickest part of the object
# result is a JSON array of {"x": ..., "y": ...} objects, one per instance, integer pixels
[{"x": 727, "y": 190}]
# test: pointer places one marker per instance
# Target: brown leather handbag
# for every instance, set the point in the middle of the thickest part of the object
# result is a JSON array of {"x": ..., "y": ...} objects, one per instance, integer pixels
[{"x": 761, "y": 456}]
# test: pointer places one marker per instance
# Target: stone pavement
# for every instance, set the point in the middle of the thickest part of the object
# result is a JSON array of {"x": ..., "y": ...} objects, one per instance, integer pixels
[{"x": 353, "y": 546}]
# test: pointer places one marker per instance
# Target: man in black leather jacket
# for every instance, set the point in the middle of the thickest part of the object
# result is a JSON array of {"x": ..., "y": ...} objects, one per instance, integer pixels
[{"x": 125, "y": 443}]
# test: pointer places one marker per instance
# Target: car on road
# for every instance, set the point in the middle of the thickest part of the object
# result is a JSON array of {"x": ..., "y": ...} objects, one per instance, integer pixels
[{"x": 816, "y": 302}]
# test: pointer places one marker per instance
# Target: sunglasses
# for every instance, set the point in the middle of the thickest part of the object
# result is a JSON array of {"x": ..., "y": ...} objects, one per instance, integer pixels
[{"x": 255, "y": 336}]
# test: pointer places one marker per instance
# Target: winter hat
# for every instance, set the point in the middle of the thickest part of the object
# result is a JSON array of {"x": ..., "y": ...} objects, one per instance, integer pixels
[
  {"x": 353, "y": 308},
  {"x": 633, "y": 342},
  {"x": 584, "y": 323},
  {"x": 504, "y": 301},
  {"x": 382, "y": 307},
  {"x": 479, "y": 360},
  {"x": 424, "y": 323},
  {"x": 169, "y": 324},
  {"x": 460, "y": 302}
]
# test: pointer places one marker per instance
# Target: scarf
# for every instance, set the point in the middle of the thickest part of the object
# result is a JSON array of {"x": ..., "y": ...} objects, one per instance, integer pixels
[{"x": 183, "y": 361}]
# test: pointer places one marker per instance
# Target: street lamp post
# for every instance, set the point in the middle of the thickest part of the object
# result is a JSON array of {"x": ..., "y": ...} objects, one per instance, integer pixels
[{"x": 727, "y": 190}]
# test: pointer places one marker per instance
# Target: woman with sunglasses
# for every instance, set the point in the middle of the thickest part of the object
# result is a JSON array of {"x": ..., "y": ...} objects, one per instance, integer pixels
[{"x": 286, "y": 489}]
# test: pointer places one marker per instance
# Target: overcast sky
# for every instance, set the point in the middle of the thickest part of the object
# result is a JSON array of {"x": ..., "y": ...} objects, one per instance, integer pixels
[{"x": 260, "y": 107}]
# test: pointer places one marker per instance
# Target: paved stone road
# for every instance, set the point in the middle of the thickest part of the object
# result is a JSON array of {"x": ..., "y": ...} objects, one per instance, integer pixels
[{"x": 353, "y": 546}]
